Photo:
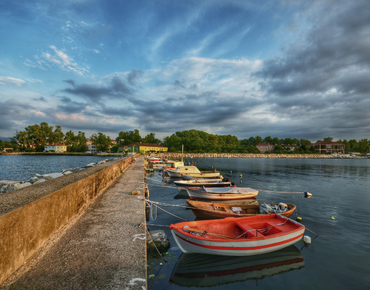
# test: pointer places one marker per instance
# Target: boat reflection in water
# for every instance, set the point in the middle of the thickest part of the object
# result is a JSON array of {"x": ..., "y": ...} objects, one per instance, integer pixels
[{"x": 198, "y": 270}]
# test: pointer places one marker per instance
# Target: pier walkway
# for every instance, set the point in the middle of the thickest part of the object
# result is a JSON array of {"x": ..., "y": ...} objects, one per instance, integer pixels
[{"x": 103, "y": 248}]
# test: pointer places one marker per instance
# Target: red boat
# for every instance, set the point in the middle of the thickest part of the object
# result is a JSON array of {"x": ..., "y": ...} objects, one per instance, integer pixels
[{"x": 246, "y": 236}]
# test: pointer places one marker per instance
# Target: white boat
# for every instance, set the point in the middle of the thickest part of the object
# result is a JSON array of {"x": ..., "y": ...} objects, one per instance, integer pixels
[
  {"x": 245, "y": 236},
  {"x": 182, "y": 184},
  {"x": 190, "y": 177},
  {"x": 176, "y": 172},
  {"x": 216, "y": 193}
]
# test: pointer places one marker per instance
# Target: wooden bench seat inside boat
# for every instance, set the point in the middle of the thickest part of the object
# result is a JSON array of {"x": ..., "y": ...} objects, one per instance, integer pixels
[{"x": 246, "y": 228}]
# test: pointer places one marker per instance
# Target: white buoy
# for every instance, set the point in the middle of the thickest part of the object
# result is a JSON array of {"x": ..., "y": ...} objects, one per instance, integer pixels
[{"x": 307, "y": 239}]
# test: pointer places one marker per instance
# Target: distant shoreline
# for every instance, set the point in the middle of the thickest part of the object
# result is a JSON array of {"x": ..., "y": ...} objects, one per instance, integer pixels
[
  {"x": 250, "y": 155},
  {"x": 63, "y": 154}
]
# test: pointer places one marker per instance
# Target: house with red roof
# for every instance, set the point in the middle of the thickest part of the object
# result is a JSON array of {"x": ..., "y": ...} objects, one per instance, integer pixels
[
  {"x": 263, "y": 147},
  {"x": 329, "y": 147}
]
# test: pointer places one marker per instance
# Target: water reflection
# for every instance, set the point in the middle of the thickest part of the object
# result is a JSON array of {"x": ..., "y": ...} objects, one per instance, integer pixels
[{"x": 197, "y": 270}]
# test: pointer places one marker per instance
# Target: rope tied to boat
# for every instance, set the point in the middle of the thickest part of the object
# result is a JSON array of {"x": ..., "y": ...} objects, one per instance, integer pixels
[{"x": 155, "y": 204}]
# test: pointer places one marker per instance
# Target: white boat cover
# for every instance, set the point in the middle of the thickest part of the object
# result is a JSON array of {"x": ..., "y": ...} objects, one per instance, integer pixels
[{"x": 234, "y": 190}]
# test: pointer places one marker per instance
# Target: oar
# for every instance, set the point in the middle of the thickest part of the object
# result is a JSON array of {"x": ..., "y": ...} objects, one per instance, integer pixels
[{"x": 207, "y": 233}]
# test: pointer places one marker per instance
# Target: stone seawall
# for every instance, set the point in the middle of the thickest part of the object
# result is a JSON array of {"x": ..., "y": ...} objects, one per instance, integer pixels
[{"x": 26, "y": 227}]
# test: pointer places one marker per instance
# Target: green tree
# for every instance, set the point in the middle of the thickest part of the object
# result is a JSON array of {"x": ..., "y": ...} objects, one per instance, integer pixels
[
  {"x": 150, "y": 138},
  {"x": 363, "y": 145},
  {"x": 101, "y": 141},
  {"x": 304, "y": 142},
  {"x": 275, "y": 141},
  {"x": 328, "y": 139},
  {"x": 258, "y": 139},
  {"x": 268, "y": 139},
  {"x": 129, "y": 137}
]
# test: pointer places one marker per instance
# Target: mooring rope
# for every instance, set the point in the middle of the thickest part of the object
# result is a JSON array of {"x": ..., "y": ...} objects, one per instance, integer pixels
[
  {"x": 151, "y": 204},
  {"x": 168, "y": 186},
  {"x": 157, "y": 225},
  {"x": 281, "y": 191},
  {"x": 164, "y": 204},
  {"x": 156, "y": 246}
]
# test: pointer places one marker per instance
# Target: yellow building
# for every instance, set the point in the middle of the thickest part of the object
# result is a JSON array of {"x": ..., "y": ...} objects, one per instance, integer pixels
[
  {"x": 56, "y": 148},
  {"x": 146, "y": 148}
]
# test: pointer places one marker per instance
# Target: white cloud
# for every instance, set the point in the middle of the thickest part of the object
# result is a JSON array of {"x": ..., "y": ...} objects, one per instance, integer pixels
[
  {"x": 12, "y": 81},
  {"x": 59, "y": 59}
]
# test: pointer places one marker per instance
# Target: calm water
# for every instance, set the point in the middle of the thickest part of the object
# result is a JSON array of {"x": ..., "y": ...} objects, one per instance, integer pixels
[
  {"x": 24, "y": 167},
  {"x": 338, "y": 258}
]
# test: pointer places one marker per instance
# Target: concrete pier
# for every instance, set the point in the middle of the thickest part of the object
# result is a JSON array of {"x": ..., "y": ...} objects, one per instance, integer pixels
[{"x": 102, "y": 247}]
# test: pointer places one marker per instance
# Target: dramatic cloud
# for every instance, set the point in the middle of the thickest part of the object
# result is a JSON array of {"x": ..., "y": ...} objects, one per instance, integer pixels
[
  {"x": 11, "y": 81},
  {"x": 286, "y": 69},
  {"x": 134, "y": 75},
  {"x": 41, "y": 99}
]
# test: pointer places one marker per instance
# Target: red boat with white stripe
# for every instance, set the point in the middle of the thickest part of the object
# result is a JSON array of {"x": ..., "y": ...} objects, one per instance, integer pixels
[{"x": 237, "y": 236}]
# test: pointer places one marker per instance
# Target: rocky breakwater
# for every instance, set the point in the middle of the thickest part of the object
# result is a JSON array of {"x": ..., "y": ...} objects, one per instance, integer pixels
[{"x": 9, "y": 185}]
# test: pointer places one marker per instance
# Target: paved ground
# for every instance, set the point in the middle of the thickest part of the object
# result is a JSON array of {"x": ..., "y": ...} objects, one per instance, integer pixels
[{"x": 103, "y": 248}]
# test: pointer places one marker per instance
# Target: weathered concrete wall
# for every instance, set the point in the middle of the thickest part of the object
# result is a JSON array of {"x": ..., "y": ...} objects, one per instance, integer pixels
[{"x": 24, "y": 230}]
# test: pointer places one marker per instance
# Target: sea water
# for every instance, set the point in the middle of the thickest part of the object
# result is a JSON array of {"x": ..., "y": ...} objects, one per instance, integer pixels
[{"x": 336, "y": 218}]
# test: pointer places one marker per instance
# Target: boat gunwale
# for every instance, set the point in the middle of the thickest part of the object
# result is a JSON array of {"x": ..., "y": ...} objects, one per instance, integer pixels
[
  {"x": 228, "y": 219},
  {"x": 209, "y": 214}
]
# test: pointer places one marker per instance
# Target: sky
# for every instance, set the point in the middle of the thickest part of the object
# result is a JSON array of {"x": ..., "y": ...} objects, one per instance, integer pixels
[{"x": 287, "y": 68}]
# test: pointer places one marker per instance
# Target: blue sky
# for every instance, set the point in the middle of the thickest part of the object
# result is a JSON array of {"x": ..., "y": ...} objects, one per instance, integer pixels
[{"x": 270, "y": 68}]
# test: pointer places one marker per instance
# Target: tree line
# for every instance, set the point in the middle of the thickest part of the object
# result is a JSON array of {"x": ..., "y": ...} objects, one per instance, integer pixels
[{"x": 35, "y": 137}]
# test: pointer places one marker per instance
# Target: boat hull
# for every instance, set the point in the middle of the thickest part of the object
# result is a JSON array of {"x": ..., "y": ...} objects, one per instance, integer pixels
[
  {"x": 203, "y": 174},
  {"x": 217, "y": 213},
  {"x": 195, "y": 183},
  {"x": 198, "y": 194},
  {"x": 190, "y": 243}
]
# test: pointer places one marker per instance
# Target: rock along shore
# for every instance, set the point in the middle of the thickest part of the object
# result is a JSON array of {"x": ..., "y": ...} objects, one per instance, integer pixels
[
  {"x": 44, "y": 184},
  {"x": 9, "y": 185}
]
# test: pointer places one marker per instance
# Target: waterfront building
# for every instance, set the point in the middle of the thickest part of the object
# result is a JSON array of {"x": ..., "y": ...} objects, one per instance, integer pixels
[
  {"x": 122, "y": 148},
  {"x": 146, "y": 147},
  {"x": 329, "y": 147},
  {"x": 263, "y": 147},
  {"x": 290, "y": 147},
  {"x": 60, "y": 148}
]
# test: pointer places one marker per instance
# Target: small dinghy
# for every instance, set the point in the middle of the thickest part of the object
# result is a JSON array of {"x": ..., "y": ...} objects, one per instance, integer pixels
[
  {"x": 211, "y": 210},
  {"x": 246, "y": 236},
  {"x": 216, "y": 193},
  {"x": 182, "y": 184}
]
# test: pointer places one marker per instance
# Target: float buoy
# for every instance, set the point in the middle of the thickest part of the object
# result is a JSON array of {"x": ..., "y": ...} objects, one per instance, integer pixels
[
  {"x": 299, "y": 219},
  {"x": 240, "y": 176},
  {"x": 231, "y": 172},
  {"x": 307, "y": 239}
]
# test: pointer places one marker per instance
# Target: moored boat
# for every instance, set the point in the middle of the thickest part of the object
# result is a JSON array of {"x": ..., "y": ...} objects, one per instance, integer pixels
[
  {"x": 204, "y": 174},
  {"x": 211, "y": 210},
  {"x": 190, "y": 171},
  {"x": 245, "y": 236},
  {"x": 190, "y": 177},
  {"x": 182, "y": 184},
  {"x": 216, "y": 193},
  {"x": 176, "y": 172}
]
